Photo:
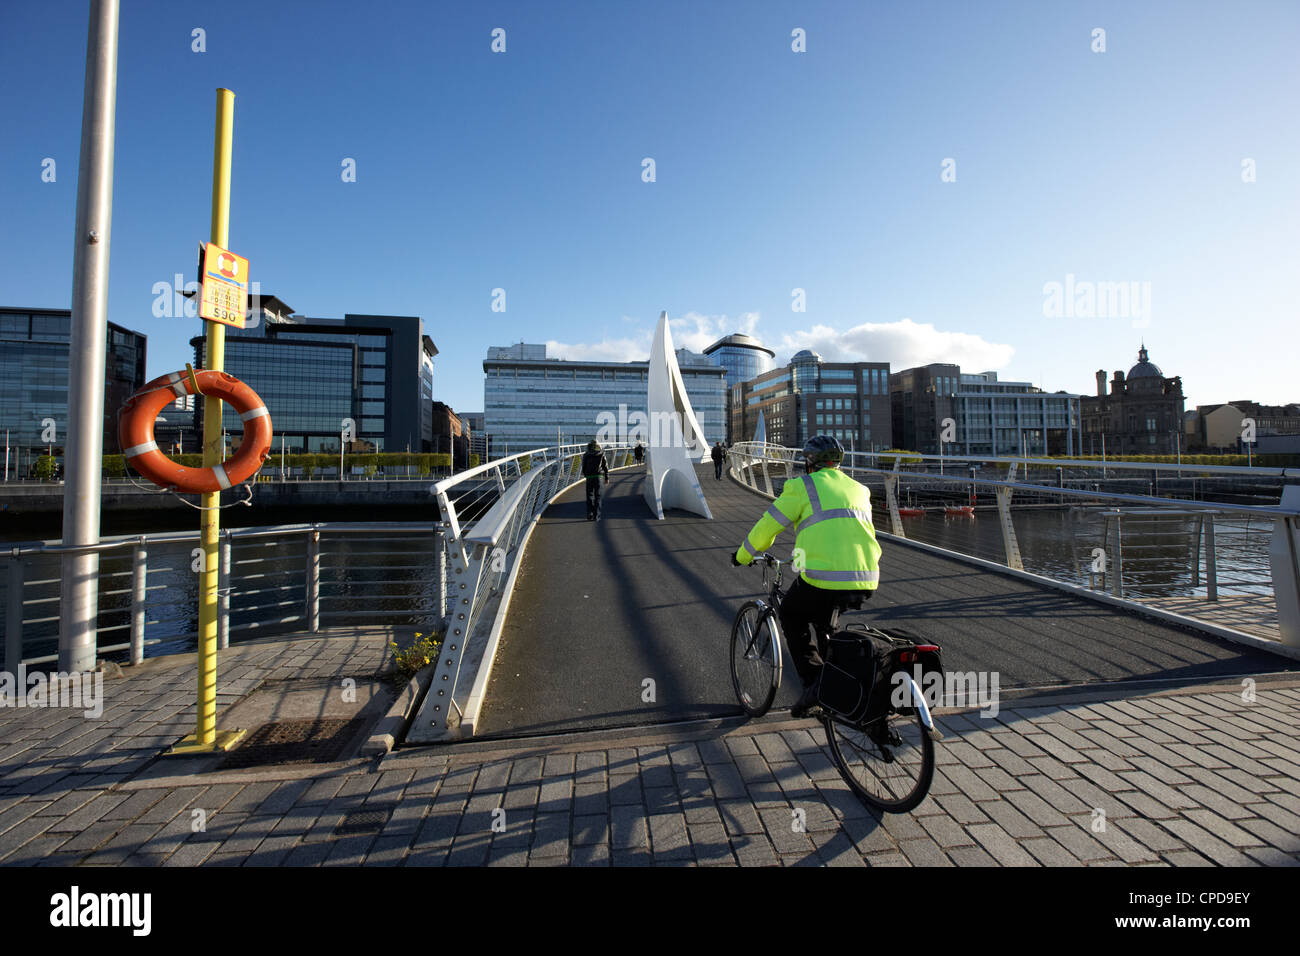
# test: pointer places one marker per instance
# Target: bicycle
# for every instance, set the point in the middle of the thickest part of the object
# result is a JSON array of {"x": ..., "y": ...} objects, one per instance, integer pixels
[{"x": 887, "y": 759}]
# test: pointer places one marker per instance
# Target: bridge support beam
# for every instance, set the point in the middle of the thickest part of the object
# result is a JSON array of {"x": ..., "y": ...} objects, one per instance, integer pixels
[
  {"x": 891, "y": 499},
  {"x": 1009, "y": 543},
  {"x": 1284, "y": 557}
]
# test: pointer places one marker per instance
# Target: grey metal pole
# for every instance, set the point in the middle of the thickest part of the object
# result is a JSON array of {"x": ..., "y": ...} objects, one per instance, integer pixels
[
  {"x": 443, "y": 615},
  {"x": 223, "y": 593},
  {"x": 313, "y": 580},
  {"x": 1211, "y": 562},
  {"x": 14, "y": 615},
  {"x": 139, "y": 593},
  {"x": 1116, "y": 565},
  {"x": 79, "y": 589}
]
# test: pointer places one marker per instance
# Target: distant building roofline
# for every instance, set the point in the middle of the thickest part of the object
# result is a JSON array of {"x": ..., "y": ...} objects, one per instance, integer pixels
[{"x": 739, "y": 340}]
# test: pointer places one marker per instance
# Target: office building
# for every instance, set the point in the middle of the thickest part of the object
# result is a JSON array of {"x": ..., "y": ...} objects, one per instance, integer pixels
[
  {"x": 743, "y": 356},
  {"x": 848, "y": 400},
  {"x": 451, "y": 435},
  {"x": 1141, "y": 415},
  {"x": 1013, "y": 418},
  {"x": 938, "y": 409},
  {"x": 477, "y": 436},
  {"x": 34, "y": 346},
  {"x": 312, "y": 373},
  {"x": 532, "y": 400}
]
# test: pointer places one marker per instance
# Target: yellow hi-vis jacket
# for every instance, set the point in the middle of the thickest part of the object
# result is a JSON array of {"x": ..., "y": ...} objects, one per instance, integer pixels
[{"x": 835, "y": 541}]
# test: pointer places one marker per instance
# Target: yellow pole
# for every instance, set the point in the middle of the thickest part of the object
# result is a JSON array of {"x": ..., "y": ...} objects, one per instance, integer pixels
[{"x": 205, "y": 736}]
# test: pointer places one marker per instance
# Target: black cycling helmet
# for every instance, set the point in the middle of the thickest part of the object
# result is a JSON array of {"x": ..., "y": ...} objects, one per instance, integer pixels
[{"x": 822, "y": 450}]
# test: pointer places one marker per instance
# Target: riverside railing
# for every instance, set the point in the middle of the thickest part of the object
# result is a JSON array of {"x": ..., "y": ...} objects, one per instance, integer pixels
[
  {"x": 1107, "y": 537},
  {"x": 485, "y": 538},
  {"x": 272, "y": 580}
]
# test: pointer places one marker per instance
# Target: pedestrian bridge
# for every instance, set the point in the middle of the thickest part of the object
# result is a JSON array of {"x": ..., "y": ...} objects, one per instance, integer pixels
[{"x": 626, "y": 621}]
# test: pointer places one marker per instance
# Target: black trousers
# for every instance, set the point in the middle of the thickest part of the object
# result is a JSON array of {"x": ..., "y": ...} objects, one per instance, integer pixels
[
  {"x": 717, "y": 470},
  {"x": 805, "y": 604},
  {"x": 593, "y": 495}
]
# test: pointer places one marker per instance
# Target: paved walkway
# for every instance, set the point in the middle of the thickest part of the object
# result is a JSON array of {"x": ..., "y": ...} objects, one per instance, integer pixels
[{"x": 1186, "y": 777}]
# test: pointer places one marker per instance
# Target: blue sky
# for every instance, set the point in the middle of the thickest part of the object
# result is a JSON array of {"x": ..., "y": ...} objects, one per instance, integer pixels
[{"x": 775, "y": 170}]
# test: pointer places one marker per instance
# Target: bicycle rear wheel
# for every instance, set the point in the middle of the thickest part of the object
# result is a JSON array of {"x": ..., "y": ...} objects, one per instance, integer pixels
[
  {"x": 889, "y": 765},
  {"x": 755, "y": 657}
]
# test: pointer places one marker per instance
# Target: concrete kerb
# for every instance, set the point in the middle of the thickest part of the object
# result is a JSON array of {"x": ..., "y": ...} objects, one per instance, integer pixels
[
  {"x": 478, "y": 691},
  {"x": 1135, "y": 607},
  {"x": 392, "y": 727}
]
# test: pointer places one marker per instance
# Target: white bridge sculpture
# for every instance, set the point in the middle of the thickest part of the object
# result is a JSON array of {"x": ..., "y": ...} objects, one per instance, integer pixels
[{"x": 676, "y": 441}]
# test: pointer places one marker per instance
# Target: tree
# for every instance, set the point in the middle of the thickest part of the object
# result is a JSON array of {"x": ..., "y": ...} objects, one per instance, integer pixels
[{"x": 43, "y": 468}]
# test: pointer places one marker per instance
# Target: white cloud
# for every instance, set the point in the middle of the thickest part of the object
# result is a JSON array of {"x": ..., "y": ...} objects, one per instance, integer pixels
[
  {"x": 693, "y": 331},
  {"x": 903, "y": 344}
]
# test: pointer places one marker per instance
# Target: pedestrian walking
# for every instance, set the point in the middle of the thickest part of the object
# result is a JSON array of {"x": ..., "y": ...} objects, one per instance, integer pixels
[
  {"x": 593, "y": 466},
  {"x": 719, "y": 456}
]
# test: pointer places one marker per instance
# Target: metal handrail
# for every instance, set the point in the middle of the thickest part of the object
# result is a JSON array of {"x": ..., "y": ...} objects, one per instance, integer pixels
[
  {"x": 1107, "y": 463},
  {"x": 750, "y": 463},
  {"x": 742, "y": 448}
]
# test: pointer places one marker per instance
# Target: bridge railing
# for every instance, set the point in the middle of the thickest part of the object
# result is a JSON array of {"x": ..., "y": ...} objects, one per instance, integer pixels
[
  {"x": 1162, "y": 550},
  {"x": 487, "y": 514}
]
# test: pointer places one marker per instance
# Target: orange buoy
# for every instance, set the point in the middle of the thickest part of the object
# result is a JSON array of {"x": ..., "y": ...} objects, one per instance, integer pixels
[{"x": 136, "y": 421}]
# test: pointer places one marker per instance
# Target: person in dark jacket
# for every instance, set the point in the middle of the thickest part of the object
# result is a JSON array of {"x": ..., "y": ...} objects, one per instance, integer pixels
[
  {"x": 593, "y": 466},
  {"x": 639, "y": 453},
  {"x": 719, "y": 456}
]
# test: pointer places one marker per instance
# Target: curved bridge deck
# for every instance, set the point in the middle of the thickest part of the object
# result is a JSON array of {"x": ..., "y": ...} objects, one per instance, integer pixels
[{"x": 601, "y": 607}]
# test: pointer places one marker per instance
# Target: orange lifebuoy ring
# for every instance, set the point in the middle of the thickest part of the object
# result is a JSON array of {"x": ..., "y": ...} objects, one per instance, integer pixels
[{"x": 135, "y": 432}]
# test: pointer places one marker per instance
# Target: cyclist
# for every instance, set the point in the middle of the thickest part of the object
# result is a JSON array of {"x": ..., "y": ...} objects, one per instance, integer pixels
[
  {"x": 835, "y": 551},
  {"x": 593, "y": 465}
]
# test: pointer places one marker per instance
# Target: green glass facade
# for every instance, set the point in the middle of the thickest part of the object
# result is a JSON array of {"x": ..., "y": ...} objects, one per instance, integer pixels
[{"x": 34, "y": 346}]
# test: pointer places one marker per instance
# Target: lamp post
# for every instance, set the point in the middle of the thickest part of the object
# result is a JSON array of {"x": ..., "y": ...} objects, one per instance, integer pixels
[{"x": 79, "y": 578}]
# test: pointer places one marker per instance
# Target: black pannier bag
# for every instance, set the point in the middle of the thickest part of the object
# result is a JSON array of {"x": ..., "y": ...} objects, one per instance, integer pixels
[{"x": 857, "y": 678}]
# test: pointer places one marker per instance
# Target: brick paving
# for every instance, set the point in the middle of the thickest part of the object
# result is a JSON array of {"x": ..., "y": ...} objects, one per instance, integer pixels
[{"x": 1186, "y": 777}]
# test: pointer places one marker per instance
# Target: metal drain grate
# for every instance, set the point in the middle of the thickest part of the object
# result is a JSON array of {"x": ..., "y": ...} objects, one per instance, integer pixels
[
  {"x": 311, "y": 740},
  {"x": 362, "y": 821}
]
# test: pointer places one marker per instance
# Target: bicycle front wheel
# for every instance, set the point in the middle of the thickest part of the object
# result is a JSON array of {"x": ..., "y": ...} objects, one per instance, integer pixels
[
  {"x": 889, "y": 764},
  {"x": 755, "y": 657}
]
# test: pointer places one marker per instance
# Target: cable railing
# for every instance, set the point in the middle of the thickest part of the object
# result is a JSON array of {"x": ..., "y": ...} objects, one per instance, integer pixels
[
  {"x": 487, "y": 514},
  {"x": 1178, "y": 550}
]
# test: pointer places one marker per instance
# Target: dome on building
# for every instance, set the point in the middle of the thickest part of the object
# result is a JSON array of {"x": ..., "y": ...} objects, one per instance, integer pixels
[
  {"x": 739, "y": 340},
  {"x": 1145, "y": 368},
  {"x": 806, "y": 355}
]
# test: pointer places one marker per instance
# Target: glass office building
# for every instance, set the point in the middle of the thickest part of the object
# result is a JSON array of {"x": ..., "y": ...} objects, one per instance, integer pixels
[
  {"x": 848, "y": 400},
  {"x": 313, "y": 373},
  {"x": 34, "y": 347},
  {"x": 530, "y": 399},
  {"x": 743, "y": 356}
]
